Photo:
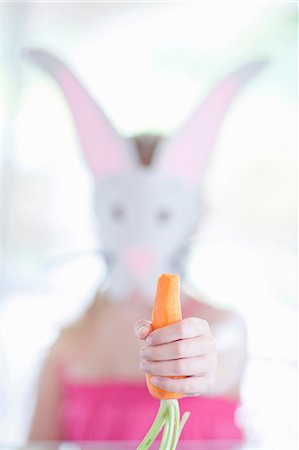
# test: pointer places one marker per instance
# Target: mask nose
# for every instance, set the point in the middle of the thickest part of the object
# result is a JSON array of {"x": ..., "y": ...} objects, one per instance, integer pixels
[{"x": 139, "y": 259}]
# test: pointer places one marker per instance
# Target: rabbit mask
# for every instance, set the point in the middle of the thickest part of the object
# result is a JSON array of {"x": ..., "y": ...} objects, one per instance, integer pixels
[{"x": 145, "y": 214}]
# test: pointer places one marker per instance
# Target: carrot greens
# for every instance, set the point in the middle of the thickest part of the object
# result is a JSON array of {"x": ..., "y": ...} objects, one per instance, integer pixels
[{"x": 168, "y": 417}]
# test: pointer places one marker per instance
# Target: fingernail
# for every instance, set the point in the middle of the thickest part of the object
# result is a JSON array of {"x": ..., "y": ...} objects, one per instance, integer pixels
[
  {"x": 143, "y": 352},
  {"x": 149, "y": 340},
  {"x": 143, "y": 366},
  {"x": 155, "y": 380},
  {"x": 141, "y": 330}
]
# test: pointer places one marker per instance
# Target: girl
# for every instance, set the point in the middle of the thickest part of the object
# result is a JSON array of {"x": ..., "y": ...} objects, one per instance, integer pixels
[{"x": 147, "y": 206}]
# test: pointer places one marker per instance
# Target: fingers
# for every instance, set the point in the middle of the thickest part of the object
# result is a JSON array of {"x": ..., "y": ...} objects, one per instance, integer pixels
[
  {"x": 189, "y": 386},
  {"x": 184, "y": 329},
  {"x": 180, "y": 367},
  {"x": 185, "y": 348},
  {"x": 142, "y": 328}
]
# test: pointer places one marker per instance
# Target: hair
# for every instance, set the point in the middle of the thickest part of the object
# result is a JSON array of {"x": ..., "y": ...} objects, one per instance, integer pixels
[{"x": 146, "y": 145}]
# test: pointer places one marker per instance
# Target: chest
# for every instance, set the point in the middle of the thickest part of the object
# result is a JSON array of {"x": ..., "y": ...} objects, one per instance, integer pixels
[{"x": 108, "y": 349}]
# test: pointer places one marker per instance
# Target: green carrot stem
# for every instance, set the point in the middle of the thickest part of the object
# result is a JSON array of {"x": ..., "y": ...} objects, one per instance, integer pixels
[
  {"x": 169, "y": 417},
  {"x": 185, "y": 417},
  {"x": 180, "y": 429},
  {"x": 155, "y": 428},
  {"x": 176, "y": 429},
  {"x": 165, "y": 432},
  {"x": 169, "y": 424}
]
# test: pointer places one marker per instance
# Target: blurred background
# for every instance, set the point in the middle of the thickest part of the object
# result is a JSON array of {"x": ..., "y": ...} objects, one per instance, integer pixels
[{"x": 148, "y": 65}]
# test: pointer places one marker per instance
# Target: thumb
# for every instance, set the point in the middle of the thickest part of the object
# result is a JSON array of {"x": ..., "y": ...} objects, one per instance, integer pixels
[{"x": 143, "y": 328}]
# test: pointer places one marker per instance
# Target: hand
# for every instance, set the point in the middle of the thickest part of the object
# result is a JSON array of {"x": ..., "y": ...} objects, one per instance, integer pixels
[{"x": 183, "y": 349}]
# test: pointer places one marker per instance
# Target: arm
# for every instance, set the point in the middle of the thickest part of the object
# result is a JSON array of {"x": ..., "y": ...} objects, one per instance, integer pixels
[
  {"x": 212, "y": 361},
  {"x": 45, "y": 421},
  {"x": 231, "y": 346}
]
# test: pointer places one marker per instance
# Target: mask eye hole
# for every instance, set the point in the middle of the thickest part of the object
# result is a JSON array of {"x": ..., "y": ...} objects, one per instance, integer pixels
[
  {"x": 118, "y": 213},
  {"x": 163, "y": 216}
]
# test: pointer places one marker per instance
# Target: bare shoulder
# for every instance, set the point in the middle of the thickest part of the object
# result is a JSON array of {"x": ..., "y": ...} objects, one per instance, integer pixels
[{"x": 69, "y": 340}]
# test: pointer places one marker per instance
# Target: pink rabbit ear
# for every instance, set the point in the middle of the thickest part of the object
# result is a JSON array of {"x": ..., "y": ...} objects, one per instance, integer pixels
[
  {"x": 185, "y": 155},
  {"x": 105, "y": 151}
]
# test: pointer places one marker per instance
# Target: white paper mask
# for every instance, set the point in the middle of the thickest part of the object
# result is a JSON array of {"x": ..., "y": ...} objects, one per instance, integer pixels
[{"x": 145, "y": 214}]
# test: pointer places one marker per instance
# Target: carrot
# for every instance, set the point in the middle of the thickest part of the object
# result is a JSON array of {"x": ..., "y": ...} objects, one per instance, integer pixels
[{"x": 166, "y": 310}]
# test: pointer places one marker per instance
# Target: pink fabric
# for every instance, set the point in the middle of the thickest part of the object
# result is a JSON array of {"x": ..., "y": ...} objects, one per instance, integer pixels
[{"x": 125, "y": 411}]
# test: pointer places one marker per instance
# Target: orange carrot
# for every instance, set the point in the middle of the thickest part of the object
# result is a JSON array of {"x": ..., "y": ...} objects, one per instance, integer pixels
[{"x": 166, "y": 310}]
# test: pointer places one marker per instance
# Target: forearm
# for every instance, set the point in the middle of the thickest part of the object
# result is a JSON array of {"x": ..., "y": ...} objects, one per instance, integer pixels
[
  {"x": 230, "y": 369},
  {"x": 231, "y": 344}
]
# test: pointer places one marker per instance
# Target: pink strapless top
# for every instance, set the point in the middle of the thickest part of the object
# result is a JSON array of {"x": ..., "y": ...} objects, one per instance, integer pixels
[{"x": 125, "y": 411}]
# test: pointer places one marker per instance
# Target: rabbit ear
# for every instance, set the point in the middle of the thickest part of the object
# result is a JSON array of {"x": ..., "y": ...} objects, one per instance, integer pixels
[
  {"x": 185, "y": 154},
  {"x": 105, "y": 151}
]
